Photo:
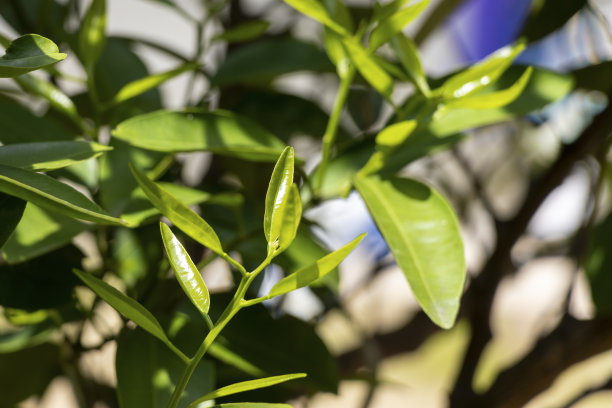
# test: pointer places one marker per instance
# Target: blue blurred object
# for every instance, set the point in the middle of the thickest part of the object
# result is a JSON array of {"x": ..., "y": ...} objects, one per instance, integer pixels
[{"x": 483, "y": 26}]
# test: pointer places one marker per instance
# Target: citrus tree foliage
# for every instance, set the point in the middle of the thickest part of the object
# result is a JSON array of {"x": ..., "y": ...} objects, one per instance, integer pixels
[{"x": 102, "y": 163}]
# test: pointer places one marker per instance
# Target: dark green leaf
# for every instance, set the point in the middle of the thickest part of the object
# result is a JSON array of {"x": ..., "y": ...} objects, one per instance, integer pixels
[
  {"x": 28, "y": 53},
  {"x": 219, "y": 132},
  {"x": 252, "y": 405},
  {"x": 598, "y": 266},
  {"x": 11, "y": 210},
  {"x": 244, "y": 32},
  {"x": 185, "y": 271},
  {"x": 422, "y": 232},
  {"x": 47, "y": 156},
  {"x": 92, "y": 37},
  {"x": 49, "y": 193},
  {"x": 548, "y": 16}
]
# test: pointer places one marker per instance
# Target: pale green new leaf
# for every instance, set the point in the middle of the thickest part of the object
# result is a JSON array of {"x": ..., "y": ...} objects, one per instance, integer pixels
[
  {"x": 395, "y": 134},
  {"x": 127, "y": 307},
  {"x": 92, "y": 37},
  {"x": 182, "y": 216},
  {"x": 408, "y": 55},
  {"x": 219, "y": 132},
  {"x": 314, "y": 271},
  {"x": 246, "y": 386},
  {"x": 495, "y": 99},
  {"x": 185, "y": 271},
  {"x": 277, "y": 196},
  {"x": 392, "y": 25},
  {"x": 27, "y": 53},
  {"x": 244, "y": 32},
  {"x": 142, "y": 85},
  {"x": 49, "y": 193},
  {"x": 369, "y": 68},
  {"x": 422, "y": 232},
  {"x": 315, "y": 10},
  {"x": 480, "y": 75},
  {"x": 47, "y": 156}
]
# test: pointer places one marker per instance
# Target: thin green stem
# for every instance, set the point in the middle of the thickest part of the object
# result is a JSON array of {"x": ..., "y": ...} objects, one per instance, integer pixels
[{"x": 332, "y": 126}]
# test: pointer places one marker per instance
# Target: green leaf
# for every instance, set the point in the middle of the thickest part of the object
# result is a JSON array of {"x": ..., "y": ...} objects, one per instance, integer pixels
[
  {"x": 27, "y": 53},
  {"x": 369, "y": 68},
  {"x": 408, "y": 55},
  {"x": 316, "y": 11},
  {"x": 47, "y": 156},
  {"x": 492, "y": 100},
  {"x": 142, "y": 85},
  {"x": 244, "y": 32},
  {"x": 252, "y": 405},
  {"x": 387, "y": 10},
  {"x": 480, "y": 75},
  {"x": 92, "y": 37},
  {"x": 392, "y": 25},
  {"x": 548, "y": 16},
  {"x": 185, "y": 271},
  {"x": 147, "y": 373},
  {"x": 49, "y": 193},
  {"x": 422, "y": 232},
  {"x": 277, "y": 196},
  {"x": 597, "y": 266},
  {"x": 128, "y": 307},
  {"x": 40, "y": 232},
  {"x": 11, "y": 211},
  {"x": 182, "y": 216},
  {"x": 219, "y": 132},
  {"x": 311, "y": 273},
  {"x": 395, "y": 134},
  {"x": 246, "y": 386}
]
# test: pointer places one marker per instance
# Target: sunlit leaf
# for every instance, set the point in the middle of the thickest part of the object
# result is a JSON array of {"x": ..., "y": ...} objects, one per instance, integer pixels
[
  {"x": 277, "y": 197},
  {"x": 395, "y": 134},
  {"x": 142, "y": 85},
  {"x": 27, "y": 53},
  {"x": 219, "y": 132},
  {"x": 49, "y": 193},
  {"x": 252, "y": 405},
  {"x": 315, "y": 10},
  {"x": 47, "y": 156},
  {"x": 92, "y": 37},
  {"x": 311, "y": 273},
  {"x": 408, "y": 55},
  {"x": 422, "y": 232},
  {"x": 244, "y": 32},
  {"x": 185, "y": 271},
  {"x": 246, "y": 386},
  {"x": 369, "y": 68},
  {"x": 182, "y": 216},
  {"x": 384, "y": 11},
  {"x": 394, "y": 24}
]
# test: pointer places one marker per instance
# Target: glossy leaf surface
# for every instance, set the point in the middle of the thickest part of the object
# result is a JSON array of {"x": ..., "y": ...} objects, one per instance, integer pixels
[
  {"x": 422, "y": 232},
  {"x": 277, "y": 197},
  {"x": 27, "y": 53},
  {"x": 47, "y": 156},
  {"x": 185, "y": 271},
  {"x": 218, "y": 132},
  {"x": 311, "y": 273},
  {"x": 182, "y": 216},
  {"x": 394, "y": 24},
  {"x": 142, "y": 85},
  {"x": 246, "y": 386},
  {"x": 49, "y": 193},
  {"x": 92, "y": 37}
]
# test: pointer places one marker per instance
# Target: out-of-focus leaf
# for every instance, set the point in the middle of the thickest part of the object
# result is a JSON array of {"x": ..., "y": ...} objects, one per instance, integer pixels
[
  {"x": 382, "y": 12},
  {"x": 27, "y": 53},
  {"x": 245, "y": 386},
  {"x": 595, "y": 77},
  {"x": 230, "y": 358},
  {"x": 252, "y": 405},
  {"x": 185, "y": 271},
  {"x": 340, "y": 13},
  {"x": 136, "y": 254},
  {"x": 597, "y": 266},
  {"x": 244, "y": 32},
  {"x": 364, "y": 105},
  {"x": 40, "y": 232},
  {"x": 26, "y": 337},
  {"x": 143, "y": 85},
  {"x": 336, "y": 52},
  {"x": 278, "y": 199},
  {"x": 408, "y": 55},
  {"x": 45, "y": 282},
  {"x": 22, "y": 379},
  {"x": 315, "y": 10},
  {"x": 219, "y": 132},
  {"x": 369, "y": 68},
  {"x": 11, "y": 210},
  {"x": 182, "y": 216},
  {"x": 20, "y": 125},
  {"x": 422, "y": 232},
  {"x": 478, "y": 76},
  {"x": 313, "y": 272},
  {"x": 392, "y": 25},
  {"x": 493, "y": 100},
  {"x": 147, "y": 373},
  {"x": 92, "y": 37},
  {"x": 269, "y": 58},
  {"x": 47, "y": 156},
  {"x": 395, "y": 134},
  {"x": 49, "y": 193},
  {"x": 548, "y": 16}
]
